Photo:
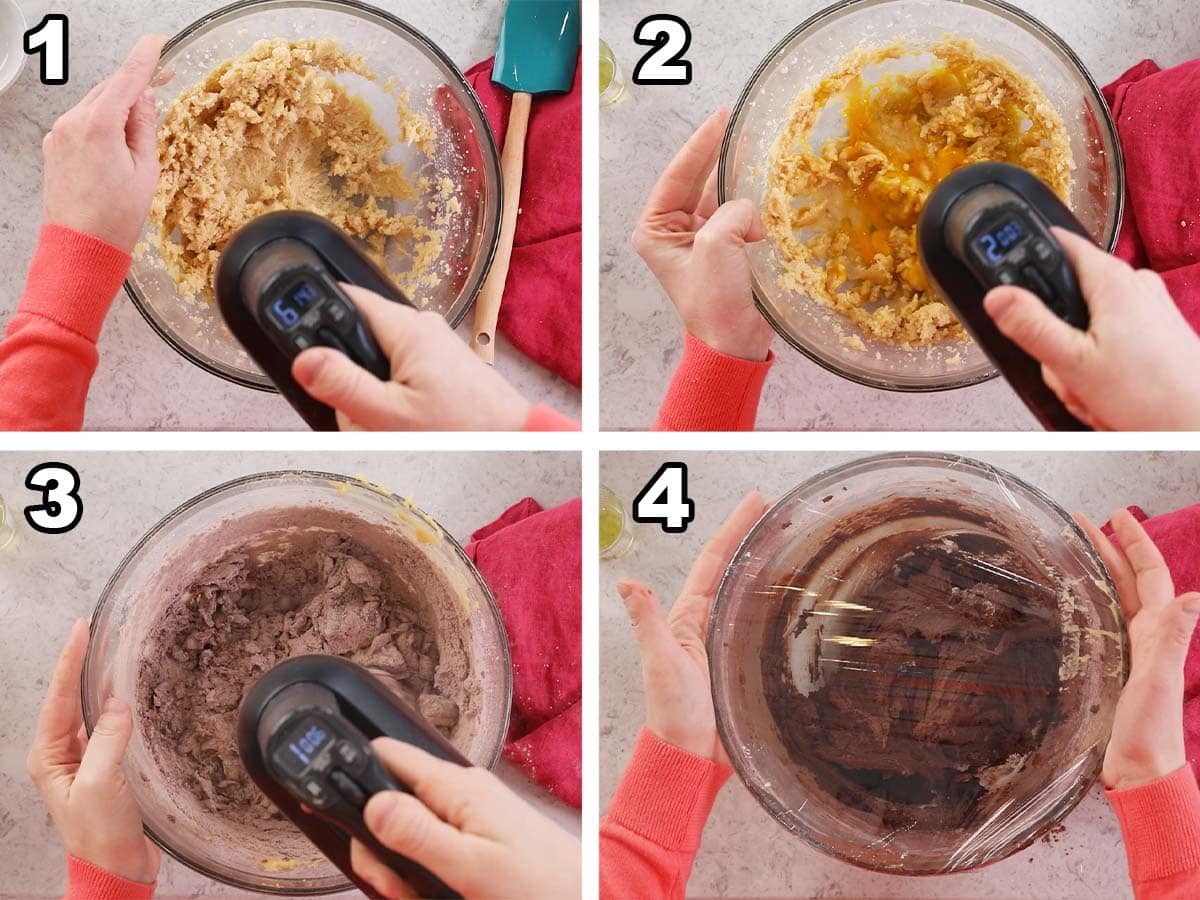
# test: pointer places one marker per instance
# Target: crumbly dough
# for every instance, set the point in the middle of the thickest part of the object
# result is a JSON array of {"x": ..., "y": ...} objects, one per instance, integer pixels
[
  {"x": 843, "y": 216},
  {"x": 273, "y": 130}
]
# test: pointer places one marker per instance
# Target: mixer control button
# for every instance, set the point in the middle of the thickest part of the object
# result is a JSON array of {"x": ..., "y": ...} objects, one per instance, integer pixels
[
  {"x": 1043, "y": 252},
  {"x": 315, "y": 790},
  {"x": 1036, "y": 283},
  {"x": 1007, "y": 276},
  {"x": 338, "y": 312},
  {"x": 348, "y": 788},
  {"x": 329, "y": 338},
  {"x": 302, "y": 342},
  {"x": 346, "y": 753}
]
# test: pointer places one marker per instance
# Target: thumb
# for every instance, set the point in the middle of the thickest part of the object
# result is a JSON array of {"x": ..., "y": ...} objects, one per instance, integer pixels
[
  {"x": 101, "y": 764},
  {"x": 332, "y": 378},
  {"x": 403, "y": 823},
  {"x": 141, "y": 131},
  {"x": 1028, "y": 322},
  {"x": 1092, "y": 266},
  {"x": 733, "y": 225},
  {"x": 646, "y": 616},
  {"x": 1185, "y": 622}
]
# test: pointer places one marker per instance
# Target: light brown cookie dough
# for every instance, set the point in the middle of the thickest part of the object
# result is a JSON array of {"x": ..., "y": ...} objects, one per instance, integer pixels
[
  {"x": 843, "y": 216},
  {"x": 273, "y": 130}
]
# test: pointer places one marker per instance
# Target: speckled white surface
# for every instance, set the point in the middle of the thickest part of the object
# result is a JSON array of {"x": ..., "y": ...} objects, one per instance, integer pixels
[
  {"x": 47, "y": 582},
  {"x": 142, "y": 383},
  {"x": 745, "y": 852},
  {"x": 640, "y": 334}
]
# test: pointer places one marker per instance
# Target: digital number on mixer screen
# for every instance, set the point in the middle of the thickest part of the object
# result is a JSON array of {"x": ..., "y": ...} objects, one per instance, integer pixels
[
  {"x": 287, "y": 310},
  {"x": 995, "y": 243},
  {"x": 307, "y": 742}
]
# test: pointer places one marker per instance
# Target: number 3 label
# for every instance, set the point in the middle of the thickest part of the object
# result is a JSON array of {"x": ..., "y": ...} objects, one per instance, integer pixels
[
  {"x": 664, "y": 500},
  {"x": 61, "y": 507},
  {"x": 670, "y": 37}
]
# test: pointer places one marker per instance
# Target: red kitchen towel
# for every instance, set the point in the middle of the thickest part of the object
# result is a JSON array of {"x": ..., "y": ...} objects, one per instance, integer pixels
[
  {"x": 1158, "y": 117},
  {"x": 532, "y": 559},
  {"x": 543, "y": 303},
  {"x": 1177, "y": 535}
]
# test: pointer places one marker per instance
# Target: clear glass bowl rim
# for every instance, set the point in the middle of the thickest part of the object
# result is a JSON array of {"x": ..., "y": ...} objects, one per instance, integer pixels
[
  {"x": 821, "y": 482},
  {"x": 488, "y": 151},
  {"x": 834, "y": 12},
  {"x": 91, "y": 714}
]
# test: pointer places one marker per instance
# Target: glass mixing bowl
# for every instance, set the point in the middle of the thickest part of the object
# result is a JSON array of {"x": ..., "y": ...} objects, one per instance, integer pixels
[
  {"x": 463, "y": 152},
  {"x": 135, "y": 597},
  {"x": 915, "y": 661},
  {"x": 810, "y": 53}
]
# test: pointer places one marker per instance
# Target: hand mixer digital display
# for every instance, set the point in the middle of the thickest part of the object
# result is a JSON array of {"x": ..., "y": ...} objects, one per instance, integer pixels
[
  {"x": 989, "y": 225},
  {"x": 279, "y": 291},
  {"x": 304, "y": 736}
]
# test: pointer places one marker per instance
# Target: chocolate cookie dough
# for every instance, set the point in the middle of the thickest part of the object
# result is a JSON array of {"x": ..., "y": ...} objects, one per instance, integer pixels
[
  {"x": 927, "y": 670},
  {"x": 297, "y": 581}
]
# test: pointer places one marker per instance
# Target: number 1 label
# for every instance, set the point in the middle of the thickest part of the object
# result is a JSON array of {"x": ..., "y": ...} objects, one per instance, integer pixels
[{"x": 49, "y": 40}]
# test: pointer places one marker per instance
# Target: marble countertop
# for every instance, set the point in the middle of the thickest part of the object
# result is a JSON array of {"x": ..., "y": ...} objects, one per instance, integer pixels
[
  {"x": 47, "y": 582},
  {"x": 142, "y": 383},
  {"x": 640, "y": 335},
  {"x": 745, "y": 852}
]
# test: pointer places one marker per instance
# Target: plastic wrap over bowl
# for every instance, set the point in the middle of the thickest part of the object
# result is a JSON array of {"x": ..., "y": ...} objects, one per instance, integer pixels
[{"x": 915, "y": 663}]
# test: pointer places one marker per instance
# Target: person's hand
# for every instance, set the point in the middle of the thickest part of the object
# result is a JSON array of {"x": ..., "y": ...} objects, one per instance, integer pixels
[
  {"x": 467, "y": 828},
  {"x": 1147, "y": 737},
  {"x": 697, "y": 250},
  {"x": 102, "y": 156},
  {"x": 80, "y": 779},
  {"x": 1135, "y": 367},
  {"x": 437, "y": 384},
  {"x": 675, "y": 677}
]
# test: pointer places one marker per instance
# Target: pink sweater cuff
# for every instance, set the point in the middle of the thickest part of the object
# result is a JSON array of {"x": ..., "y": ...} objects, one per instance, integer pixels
[
  {"x": 88, "y": 882},
  {"x": 74, "y": 279},
  {"x": 1160, "y": 822},
  {"x": 712, "y": 392},
  {"x": 543, "y": 418},
  {"x": 666, "y": 794}
]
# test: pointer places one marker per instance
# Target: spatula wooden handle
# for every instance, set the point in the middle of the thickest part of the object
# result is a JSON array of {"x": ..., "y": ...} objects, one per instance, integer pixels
[{"x": 512, "y": 165}]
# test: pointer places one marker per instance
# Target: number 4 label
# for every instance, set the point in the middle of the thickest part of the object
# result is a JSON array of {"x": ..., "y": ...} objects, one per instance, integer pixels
[
  {"x": 670, "y": 37},
  {"x": 664, "y": 500},
  {"x": 49, "y": 39}
]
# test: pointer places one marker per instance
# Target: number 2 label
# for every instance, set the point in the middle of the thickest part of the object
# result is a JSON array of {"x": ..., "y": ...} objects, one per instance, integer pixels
[
  {"x": 670, "y": 37},
  {"x": 49, "y": 40},
  {"x": 664, "y": 500}
]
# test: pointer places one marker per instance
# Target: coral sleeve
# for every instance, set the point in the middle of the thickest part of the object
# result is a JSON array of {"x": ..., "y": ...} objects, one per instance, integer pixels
[
  {"x": 88, "y": 882},
  {"x": 48, "y": 354},
  {"x": 543, "y": 418},
  {"x": 712, "y": 391},
  {"x": 1160, "y": 823},
  {"x": 650, "y": 835}
]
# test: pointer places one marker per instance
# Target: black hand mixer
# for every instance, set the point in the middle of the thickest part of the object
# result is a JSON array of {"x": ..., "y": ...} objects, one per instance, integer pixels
[
  {"x": 304, "y": 733},
  {"x": 989, "y": 225}
]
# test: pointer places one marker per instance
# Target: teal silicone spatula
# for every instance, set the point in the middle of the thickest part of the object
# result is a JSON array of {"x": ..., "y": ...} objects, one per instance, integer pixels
[{"x": 537, "y": 54}]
